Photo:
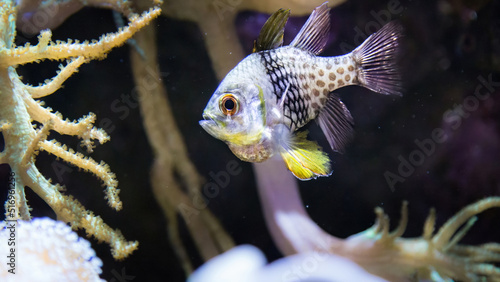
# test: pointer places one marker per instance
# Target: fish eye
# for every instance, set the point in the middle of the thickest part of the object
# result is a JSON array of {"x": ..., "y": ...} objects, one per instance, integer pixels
[{"x": 229, "y": 105}]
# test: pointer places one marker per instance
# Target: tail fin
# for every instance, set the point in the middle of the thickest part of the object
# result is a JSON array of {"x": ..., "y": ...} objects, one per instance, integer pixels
[{"x": 376, "y": 59}]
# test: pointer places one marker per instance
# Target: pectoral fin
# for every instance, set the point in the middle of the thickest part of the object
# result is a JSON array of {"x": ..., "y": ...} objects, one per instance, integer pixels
[{"x": 304, "y": 158}]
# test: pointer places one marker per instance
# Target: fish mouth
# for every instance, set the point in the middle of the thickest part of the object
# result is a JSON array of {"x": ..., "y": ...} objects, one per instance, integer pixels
[
  {"x": 208, "y": 120},
  {"x": 210, "y": 125},
  {"x": 207, "y": 117},
  {"x": 206, "y": 123}
]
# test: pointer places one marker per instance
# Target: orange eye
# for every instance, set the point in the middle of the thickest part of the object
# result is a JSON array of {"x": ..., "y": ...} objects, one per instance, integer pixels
[{"x": 229, "y": 105}]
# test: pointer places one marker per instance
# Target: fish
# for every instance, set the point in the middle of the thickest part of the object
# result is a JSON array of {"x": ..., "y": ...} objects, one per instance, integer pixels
[{"x": 260, "y": 106}]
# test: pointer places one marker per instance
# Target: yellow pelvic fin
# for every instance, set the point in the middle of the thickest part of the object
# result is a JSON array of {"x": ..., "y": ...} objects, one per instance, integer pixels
[{"x": 304, "y": 158}]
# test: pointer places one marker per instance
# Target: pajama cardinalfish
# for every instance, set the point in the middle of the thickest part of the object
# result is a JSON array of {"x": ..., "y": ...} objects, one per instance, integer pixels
[{"x": 262, "y": 102}]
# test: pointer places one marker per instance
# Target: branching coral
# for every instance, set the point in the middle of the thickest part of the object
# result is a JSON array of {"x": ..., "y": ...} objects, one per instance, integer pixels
[
  {"x": 19, "y": 109},
  {"x": 171, "y": 155}
]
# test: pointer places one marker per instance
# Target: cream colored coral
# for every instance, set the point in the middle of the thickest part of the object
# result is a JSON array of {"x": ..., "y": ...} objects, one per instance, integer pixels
[
  {"x": 19, "y": 109},
  {"x": 47, "y": 250}
]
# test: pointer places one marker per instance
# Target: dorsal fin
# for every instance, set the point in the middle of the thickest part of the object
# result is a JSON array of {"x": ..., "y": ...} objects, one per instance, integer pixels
[
  {"x": 336, "y": 122},
  {"x": 271, "y": 34},
  {"x": 314, "y": 34}
]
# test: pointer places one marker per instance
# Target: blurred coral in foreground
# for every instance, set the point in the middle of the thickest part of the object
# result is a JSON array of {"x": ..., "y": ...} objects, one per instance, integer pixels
[
  {"x": 248, "y": 264},
  {"x": 435, "y": 256},
  {"x": 49, "y": 250}
]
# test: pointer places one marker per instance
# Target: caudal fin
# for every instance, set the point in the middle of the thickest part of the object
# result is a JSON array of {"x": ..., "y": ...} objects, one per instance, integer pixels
[{"x": 376, "y": 59}]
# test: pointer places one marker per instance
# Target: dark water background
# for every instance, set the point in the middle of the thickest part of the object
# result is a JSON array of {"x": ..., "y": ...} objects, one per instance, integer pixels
[{"x": 449, "y": 48}]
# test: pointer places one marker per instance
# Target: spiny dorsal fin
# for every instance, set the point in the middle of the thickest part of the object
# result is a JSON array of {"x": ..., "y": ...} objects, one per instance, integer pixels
[
  {"x": 304, "y": 158},
  {"x": 314, "y": 34},
  {"x": 271, "y": 34},
  {"x": 336, "y": 122}
]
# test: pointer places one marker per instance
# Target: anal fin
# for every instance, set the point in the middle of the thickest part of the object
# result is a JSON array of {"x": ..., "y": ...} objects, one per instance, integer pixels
[
  {"x": 304, "y": 158},
  {"x": 336, "y": 122}
]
